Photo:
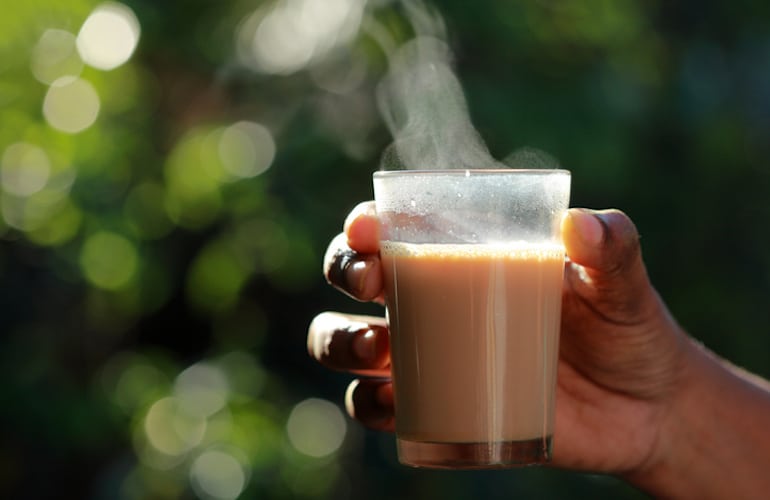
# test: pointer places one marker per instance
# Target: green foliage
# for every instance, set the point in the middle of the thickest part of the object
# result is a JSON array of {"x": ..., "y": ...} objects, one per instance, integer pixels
[{"x": 163, "y": 223}]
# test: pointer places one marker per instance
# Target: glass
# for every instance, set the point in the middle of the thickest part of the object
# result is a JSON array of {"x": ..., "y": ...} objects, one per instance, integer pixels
[{"x": 473, "y": 265}]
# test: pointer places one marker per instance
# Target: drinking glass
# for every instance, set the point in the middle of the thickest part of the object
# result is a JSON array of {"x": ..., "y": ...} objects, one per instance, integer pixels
[{"x": 473, "y": 266}]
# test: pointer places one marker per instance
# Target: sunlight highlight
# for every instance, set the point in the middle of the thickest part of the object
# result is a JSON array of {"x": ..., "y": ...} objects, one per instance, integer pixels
[
  {"x": 294, "y": 33},
  {"x": 109, "y": 36}
]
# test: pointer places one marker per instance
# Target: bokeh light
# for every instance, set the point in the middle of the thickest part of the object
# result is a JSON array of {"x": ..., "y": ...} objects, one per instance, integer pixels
[
  {"x": 219, "y": 475},
  {"x": 171, "y": 173},
  {"x": 170, "y": 430},
  {"x": 245, "y": 376},
  {"x": 109, "y": 36},
  {"x": 290, "y": 34},
  {"x": 24, "y": 169},
  {"x": 60, "y": 225},
  {"x": 109, "y": 260},
  {"x": 246, "y": 149},
  {"x": 33, "y": 212},
  {"x": 130, "y": 380},
  {"x": 194, "y": 175},
  {"x": 201, "y": 389},
  {"x": 71, "y": 104},
  {"x": 55, "y": 56},
  {"x": 316, "y": 427}
]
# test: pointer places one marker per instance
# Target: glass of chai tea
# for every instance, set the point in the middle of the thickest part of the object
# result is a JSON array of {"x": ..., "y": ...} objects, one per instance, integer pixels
[{"x": 473, "y": 264}]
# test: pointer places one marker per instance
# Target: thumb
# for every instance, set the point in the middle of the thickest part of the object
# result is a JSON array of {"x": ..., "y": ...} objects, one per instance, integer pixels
[{"x": 606, "y": 260}]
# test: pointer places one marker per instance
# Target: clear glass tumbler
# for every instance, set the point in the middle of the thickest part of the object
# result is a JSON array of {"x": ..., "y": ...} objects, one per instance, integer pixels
[{"x": 473, "y": 265}]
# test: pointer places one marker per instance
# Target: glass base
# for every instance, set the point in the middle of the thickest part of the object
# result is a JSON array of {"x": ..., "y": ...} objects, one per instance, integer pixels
[{"x": 497, "y": 455}]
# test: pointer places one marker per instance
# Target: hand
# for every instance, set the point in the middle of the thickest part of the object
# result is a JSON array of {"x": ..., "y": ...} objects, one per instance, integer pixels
[
  {"x": 636, "y": 396},
  {"x": 620, "y": 356}
]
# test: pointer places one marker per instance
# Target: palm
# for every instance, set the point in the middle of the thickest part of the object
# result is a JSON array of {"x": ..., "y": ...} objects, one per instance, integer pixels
[
  {"x": 613, "y": 374},
  {"x": 597, "y": 429}
]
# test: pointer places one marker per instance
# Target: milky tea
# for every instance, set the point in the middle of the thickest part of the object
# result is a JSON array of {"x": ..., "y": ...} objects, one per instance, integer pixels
[{"x": 474, "y": 342}]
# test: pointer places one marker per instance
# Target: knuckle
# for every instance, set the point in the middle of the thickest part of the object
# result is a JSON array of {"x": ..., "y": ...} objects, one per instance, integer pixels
[
  {"x": 623, "y": 241},
  {"x": 332, "y": 338}
]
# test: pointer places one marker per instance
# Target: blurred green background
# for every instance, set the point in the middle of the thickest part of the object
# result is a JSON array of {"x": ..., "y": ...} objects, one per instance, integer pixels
[{"x": 171, "y": 172}]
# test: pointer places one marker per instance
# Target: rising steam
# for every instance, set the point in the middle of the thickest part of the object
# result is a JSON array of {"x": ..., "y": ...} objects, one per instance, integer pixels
[{"x": 423, "y": 105}]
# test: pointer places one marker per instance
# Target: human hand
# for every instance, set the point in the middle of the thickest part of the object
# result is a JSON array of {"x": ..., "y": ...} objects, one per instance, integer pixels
[{"x": 621, "y": 353}]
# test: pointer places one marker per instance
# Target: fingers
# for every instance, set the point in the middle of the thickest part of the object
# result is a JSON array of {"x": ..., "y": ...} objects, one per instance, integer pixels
[
  {"x": 616, "y": 331},
  {"x": 371, "y": 403},
  {"x": 605, "y": 263},
  {"x": 605, "y": 240},
  {"x": 352, "y": 261},
  {"x": 357, "y": 344}
]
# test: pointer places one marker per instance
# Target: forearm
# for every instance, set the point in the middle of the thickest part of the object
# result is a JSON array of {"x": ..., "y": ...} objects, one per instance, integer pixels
[{"x": 715, "y": 441}]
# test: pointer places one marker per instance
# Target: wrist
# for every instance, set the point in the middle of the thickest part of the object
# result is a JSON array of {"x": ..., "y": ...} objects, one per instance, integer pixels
[
  {"x": 712, "y": 441},
  {"x": 675, "y": 446}
]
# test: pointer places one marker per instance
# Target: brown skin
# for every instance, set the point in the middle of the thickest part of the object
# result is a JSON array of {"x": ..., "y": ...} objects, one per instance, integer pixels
[{"x": 634, "y": 391}]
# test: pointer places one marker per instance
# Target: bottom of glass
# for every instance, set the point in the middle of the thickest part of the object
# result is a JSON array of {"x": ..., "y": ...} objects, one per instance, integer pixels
[{"x": 497, "y": 455}]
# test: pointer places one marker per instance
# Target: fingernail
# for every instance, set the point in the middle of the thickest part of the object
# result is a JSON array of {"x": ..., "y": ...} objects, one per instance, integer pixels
[
  {"x": 365, "y": 346},
  {"x": 589, "y": 229},
  {"x": 347, "y": 272},
  {"x": 356, "y": 276}
]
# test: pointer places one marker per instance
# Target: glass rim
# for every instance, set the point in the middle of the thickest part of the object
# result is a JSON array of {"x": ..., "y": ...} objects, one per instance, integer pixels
[{"x": 467, "y": 172}]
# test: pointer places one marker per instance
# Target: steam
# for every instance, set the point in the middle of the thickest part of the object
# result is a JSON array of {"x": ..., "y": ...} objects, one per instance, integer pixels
[{"x": 423, "y": 105}]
